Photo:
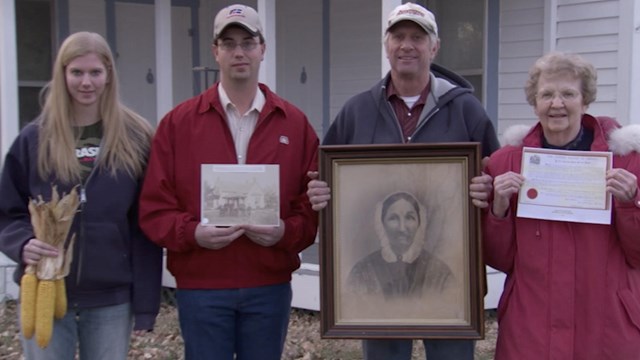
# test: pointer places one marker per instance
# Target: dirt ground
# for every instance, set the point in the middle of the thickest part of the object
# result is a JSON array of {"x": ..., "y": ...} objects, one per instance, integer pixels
[{"x": 303, "y": 340}]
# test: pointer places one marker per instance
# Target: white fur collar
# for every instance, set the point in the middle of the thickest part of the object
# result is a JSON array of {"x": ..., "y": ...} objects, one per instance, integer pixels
[
  {"x": 621, "y": 141},
  {"x": 625, "y": 140}
]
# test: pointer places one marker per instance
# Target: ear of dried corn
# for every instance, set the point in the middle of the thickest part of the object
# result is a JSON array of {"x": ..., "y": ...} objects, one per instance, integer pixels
[
  {"x": 51, "y": 223},
  {"x": 60, "y": 308},
  {"x": 28, "y": 288},
  {"x": 45, "y": 303}
]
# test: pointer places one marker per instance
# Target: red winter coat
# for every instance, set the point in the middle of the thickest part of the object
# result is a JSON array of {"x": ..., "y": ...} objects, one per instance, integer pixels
[{"x": 572, "y": 290}]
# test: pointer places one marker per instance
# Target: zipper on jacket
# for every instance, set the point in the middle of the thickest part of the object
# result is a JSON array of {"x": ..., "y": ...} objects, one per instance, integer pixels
[
  {"x": 395, "y": 117},
  {"x": 421, "y": 123},
  {"x": 80, "y": 238}
]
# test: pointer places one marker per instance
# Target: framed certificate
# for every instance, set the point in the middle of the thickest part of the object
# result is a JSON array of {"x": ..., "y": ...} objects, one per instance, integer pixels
[{"x": 239, "y": 194}]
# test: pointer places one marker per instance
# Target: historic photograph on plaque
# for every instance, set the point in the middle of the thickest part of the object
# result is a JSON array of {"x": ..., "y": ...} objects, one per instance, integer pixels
[{"x": 240, "y": 194}]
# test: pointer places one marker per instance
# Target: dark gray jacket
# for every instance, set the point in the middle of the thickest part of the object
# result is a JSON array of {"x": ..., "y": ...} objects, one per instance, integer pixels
[{"x": 451, "y": 114}]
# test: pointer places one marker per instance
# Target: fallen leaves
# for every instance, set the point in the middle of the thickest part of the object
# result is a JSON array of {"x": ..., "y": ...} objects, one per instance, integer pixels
[{"x": 303, "y": 339}]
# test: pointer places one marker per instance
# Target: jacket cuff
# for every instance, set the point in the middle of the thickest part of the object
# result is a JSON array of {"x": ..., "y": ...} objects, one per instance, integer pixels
[
  {"x": 190, "y": 233},
  {"x": 144, "y": 321},
  {"x": 635, "y": 203}
]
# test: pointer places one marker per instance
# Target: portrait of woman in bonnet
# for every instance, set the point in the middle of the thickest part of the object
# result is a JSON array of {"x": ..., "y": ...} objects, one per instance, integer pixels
[{"x": 401, "y": 267}]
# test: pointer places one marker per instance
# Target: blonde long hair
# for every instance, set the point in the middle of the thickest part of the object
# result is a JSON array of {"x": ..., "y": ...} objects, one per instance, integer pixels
[{"x": 127, "y": 136}]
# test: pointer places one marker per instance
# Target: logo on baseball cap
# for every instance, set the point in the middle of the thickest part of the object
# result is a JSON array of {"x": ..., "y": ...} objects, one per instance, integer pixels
[
  {"x": 415, "y": 13},
  {"x": 240, "y": 15}
]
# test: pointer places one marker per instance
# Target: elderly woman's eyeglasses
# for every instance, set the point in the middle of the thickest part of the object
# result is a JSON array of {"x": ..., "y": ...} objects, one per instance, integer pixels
[
  {"x": 230, "y": 45},
  {"x": 564, "y": 96}
]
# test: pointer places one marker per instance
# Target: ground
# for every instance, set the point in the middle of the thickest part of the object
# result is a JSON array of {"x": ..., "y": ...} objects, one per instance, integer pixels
[{"x": 303, "y": 340}]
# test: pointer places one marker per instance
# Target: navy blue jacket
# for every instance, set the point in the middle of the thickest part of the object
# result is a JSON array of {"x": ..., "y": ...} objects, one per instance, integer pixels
[{"x": 113, "y": 262}]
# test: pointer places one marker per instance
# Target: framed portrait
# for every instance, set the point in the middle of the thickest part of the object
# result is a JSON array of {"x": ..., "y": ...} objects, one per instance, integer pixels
[{"x": 400, "y": 254}]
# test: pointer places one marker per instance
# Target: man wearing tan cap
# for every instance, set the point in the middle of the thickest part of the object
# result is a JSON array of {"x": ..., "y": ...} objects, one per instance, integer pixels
[
  {"x": 233, "y": 282},
  {"x": 417, "y": 102}
]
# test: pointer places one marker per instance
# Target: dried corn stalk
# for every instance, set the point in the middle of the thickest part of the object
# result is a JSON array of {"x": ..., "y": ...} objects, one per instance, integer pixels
[{"x": 51, "y": 223}]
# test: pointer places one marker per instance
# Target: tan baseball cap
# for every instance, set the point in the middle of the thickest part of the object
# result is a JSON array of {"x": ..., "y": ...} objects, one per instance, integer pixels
[
  {"x": 415, "y": 13},
  {"x": 238, "y": 14}
]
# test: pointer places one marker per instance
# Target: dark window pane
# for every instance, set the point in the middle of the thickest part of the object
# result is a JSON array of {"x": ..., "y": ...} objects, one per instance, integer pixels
[
  {"x": 33, "y": 27},
  {"x": 29, "y": 104},
  {"x": 476, "y": 81}
]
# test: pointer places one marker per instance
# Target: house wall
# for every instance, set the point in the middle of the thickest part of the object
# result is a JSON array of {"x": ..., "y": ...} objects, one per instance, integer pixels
[
  {"x": 521, "y": 43},
  {"x": 594, "y": 29},
  {"x": 355, "y": 41},
  {"x": 87, "y": 15},
  {"x": 299, "y": 56}
]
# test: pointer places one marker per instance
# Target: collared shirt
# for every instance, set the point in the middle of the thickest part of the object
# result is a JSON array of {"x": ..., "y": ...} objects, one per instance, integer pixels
[
  {"x": 241, "y": 126},
  {"x": 407, "y": 117}
]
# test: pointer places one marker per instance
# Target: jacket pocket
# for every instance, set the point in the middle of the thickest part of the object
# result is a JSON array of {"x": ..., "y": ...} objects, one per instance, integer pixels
[
  {"x": 631, "y": 306},
  {"x": 105, "y": 257}
]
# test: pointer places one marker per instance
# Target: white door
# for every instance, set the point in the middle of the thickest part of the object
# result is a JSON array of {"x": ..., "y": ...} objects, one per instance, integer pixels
[{"x": 136, "y": 59}]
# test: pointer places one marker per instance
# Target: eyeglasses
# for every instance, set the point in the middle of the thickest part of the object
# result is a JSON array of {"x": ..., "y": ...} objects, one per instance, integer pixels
[
  {"x": 564, "y": 96},
  {"x": 230, "y": 45}
]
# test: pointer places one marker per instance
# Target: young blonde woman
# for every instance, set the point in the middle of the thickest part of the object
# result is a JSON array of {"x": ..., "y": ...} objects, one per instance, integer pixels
[{"x": 85, "y": 137}]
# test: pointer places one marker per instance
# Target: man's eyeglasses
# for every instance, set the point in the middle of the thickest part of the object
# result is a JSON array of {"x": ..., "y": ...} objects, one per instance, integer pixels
[
  {"x": 564, "y": 96},
  {"x": 230, "y": 45}
]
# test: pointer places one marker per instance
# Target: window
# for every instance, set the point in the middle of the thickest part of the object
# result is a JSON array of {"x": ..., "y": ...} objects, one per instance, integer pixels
[
  {"x": 34, "y": 41},
  {"x": 461, "y": 28}
]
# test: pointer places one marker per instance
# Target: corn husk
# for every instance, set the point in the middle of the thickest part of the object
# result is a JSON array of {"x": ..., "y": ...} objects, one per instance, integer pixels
[{"x": 51, "y": 221}]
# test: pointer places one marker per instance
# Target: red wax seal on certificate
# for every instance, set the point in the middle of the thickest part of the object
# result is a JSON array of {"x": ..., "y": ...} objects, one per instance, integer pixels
[{"x": 532, "y": 193}]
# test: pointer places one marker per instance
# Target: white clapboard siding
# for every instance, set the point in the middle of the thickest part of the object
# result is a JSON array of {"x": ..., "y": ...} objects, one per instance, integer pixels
[
  {"x": 584, "y": 44},
  {"x": 521, "y": 43},
  {"x": 592, "y": 29}
]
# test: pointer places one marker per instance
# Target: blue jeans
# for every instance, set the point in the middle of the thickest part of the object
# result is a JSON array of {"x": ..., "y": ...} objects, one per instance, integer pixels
[
  {"x": 101, "y": 333},
  {"x": 249, "y": 323},
  {"x": 434, "y": 349}
]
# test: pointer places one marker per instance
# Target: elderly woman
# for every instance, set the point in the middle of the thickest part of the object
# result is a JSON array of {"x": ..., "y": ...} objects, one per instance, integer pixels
[
  {"x": 572, "y": 289},
  {"x": 401, "y": 267}
]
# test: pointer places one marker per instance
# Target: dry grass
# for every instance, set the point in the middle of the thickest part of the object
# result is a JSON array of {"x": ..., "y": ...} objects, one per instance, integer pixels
[{"x": 303, "y": 341}]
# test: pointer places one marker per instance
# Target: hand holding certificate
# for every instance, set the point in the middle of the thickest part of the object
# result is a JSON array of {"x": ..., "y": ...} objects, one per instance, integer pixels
[{"x": 565, "y": 186}]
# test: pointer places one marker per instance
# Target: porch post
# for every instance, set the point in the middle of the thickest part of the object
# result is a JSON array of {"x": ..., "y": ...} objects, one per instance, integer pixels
[
  {"x": 387, "y": 7},
  {"x": 164, "y": 63},
  {"x": 267, "y": 13},
  {"x": 9, "y": 120}
]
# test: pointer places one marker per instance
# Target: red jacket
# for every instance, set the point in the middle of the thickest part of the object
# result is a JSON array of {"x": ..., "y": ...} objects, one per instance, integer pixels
[
  {"x": 572, "y": 290},
  {"x": 195, "y": 133}
]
